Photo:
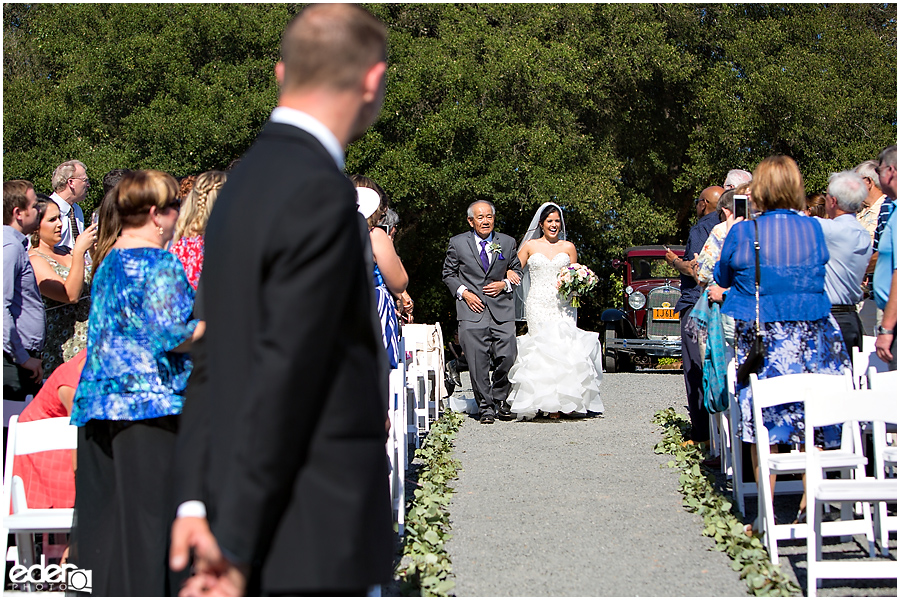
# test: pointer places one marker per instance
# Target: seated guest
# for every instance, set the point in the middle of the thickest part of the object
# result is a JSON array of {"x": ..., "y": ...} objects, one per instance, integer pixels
[
  {"x": 849, "y": 247},
  {"x": 187, "y": 244},
  {"x": 390, "y": 275},
  {"x": 64, "y": 280},
  {"x": 130, "y": 396},
  {"x": 49, "y": 477}
]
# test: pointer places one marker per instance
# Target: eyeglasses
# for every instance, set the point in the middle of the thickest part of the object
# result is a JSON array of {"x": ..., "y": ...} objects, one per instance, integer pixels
[
  {"x": 699, "y": 200},
  {"x": 84, "y": 179},
  {"x": 881, "y": 168}
]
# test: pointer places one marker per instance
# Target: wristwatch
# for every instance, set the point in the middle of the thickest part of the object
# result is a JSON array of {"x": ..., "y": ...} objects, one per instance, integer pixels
[{"x": 882, "y": 331}]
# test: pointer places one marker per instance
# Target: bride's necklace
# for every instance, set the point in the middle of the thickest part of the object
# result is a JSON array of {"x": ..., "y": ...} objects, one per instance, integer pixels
[{"x": 138, "y": 237}]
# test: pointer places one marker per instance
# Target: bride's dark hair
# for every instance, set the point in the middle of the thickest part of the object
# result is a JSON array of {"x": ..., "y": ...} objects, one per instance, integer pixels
[{"x": 547, "y": 212}]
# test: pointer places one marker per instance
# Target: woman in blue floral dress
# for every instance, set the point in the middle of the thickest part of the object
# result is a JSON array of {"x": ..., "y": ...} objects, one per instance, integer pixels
[
  {"x": 799, "y": 332},
  {"x": 130, "y": 395}
]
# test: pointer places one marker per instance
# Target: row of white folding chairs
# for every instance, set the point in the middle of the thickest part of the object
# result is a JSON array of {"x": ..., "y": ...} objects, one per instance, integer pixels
[{"x": 725, "y": 426}]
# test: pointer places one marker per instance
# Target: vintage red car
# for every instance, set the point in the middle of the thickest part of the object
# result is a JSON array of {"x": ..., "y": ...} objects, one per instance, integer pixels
[{"x": 647, "y": 327}]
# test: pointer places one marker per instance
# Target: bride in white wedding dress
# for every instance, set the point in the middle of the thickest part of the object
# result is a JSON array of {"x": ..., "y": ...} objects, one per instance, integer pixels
[{"x": 558, "y": 368}]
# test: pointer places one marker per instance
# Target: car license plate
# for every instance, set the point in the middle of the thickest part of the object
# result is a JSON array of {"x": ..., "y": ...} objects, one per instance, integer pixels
[{"x": 665, "y": 314}]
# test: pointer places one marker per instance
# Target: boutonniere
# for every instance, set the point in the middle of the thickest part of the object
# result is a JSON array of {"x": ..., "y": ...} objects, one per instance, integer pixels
[{"x": 495, "y": 248}]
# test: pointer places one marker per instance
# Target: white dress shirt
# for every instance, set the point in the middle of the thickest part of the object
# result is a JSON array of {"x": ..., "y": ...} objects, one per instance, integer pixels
[{"x": 67, "y": 242}]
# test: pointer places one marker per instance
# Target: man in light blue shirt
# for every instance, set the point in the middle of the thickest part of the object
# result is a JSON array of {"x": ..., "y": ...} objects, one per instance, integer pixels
[
  {"x": 885, "y": 280},
  {"x": 850, "y": 248}
]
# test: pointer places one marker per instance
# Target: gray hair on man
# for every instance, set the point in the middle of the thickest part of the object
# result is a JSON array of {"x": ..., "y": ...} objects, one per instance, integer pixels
[
  {"x": 848, "y": 190},
  {"x": 471, "y": 210},
  {"x": 888, "y": 156},
  {"x": 64, "y": 172},
  {"x": 868, "y": 169},
  {"x": 735, "y": 178}
]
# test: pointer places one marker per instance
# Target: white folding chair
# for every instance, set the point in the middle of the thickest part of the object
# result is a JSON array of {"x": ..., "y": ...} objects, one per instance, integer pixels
[
  {"x": 806, "y": 388},
  {"x": 23, "y": 522},
  {"x": 397, "y": 440},
  {"x": 847, "y": 409},
  {"x": 866, "y": 360},
  {"x": 885, "y": 455}
]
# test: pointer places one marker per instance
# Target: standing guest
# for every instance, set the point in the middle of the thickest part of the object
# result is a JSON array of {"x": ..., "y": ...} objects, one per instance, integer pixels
[
  {"x": 690, "y": 292},
  {"x": 735, "y": 178},
  {"x": 799, "y": 334},
  {"x": 64, "y": 281},
  {"x": 289, "y": 424},
  {"x": 849, "y": 249},
  {"x": 112, "y": 178},
  {"x": 130, "y": 395},
  {"x": 476, "y": 272},
  {"x": 404, "y": 302},
  {"x": 23, "y": 309},
  {"x": 815, "y": 205},
  {"x": 70, "y": 185},
  {"x": 187, "y": 244},
  {"x": 871, "y": 207},
  {"x": 390, "y": 275},
  {"x": 185, "y": 185},
  {"x": 49, "y": 477},
  {"x": 885, "y": 280}
]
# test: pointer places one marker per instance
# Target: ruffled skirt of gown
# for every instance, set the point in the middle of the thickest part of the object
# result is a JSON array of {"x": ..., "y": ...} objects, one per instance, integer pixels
[{"x": 558, "y": 369}]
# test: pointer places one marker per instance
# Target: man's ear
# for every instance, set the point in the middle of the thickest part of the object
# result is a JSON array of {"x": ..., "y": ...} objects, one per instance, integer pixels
[
  {"x": 279, "y": 73},
  {"x": 372, "y": 81}
]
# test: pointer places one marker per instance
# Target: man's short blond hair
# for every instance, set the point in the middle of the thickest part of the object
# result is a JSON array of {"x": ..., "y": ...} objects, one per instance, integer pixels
[
  {"x": 64, "y": 172},
  {"x": 331, "y": 45}
]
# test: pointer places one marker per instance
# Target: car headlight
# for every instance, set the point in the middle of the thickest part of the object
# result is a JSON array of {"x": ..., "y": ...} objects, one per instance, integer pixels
[{"x": 637, "y": 300}]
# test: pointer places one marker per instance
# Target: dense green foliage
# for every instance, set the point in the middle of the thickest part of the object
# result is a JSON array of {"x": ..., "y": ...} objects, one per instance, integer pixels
[{"x": 621, "y": 113}]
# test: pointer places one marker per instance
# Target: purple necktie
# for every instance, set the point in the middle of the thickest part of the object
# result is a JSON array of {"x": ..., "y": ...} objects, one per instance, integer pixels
[{"x": 484, "y": 257}]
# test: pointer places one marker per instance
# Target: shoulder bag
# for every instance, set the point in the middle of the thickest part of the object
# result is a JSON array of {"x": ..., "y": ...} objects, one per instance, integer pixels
[{"x": 757, "y": 353}]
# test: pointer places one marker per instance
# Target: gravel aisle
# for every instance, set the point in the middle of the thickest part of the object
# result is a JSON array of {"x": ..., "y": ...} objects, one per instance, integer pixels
[{"x": 581, "y": 507}]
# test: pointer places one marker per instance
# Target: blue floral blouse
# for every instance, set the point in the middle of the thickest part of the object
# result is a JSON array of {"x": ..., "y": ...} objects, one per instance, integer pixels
[{"x": 142, "y": 303}]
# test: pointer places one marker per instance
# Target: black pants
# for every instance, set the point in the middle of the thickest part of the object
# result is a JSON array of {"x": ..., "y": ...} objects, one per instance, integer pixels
[
  {"x": 123, "y": 506},
  {"x": 17, "y": 382},
  {"x": 851, "y": 331},
  {"x": 693, "y": 380}
]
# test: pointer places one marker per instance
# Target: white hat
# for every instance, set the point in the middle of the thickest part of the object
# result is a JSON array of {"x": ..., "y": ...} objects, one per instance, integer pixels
[{"x": 367, "y": 201}]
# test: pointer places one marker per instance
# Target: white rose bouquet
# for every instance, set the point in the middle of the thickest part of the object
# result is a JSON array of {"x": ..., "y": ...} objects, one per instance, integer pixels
[{"x": 574, "y": 281}]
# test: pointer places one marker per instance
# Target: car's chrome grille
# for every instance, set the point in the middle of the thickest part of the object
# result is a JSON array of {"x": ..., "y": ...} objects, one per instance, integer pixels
[{"x": 659, "y": 298}]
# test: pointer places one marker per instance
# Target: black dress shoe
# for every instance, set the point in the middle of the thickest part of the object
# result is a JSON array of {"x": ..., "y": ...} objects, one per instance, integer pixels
[
  {"x": 487, "y": 419},
  {"x": 504, "y": 412}
]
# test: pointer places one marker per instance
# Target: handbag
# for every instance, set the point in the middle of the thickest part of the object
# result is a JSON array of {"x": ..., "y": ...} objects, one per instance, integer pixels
[{"x": 757, "y": 353}]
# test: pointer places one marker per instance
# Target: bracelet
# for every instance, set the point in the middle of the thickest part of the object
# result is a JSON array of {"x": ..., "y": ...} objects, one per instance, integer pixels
[{"x": 882, "y": 331}]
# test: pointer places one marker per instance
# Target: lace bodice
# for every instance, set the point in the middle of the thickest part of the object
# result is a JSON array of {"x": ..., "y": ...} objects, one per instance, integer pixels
[{"x": 543, "y": 303}]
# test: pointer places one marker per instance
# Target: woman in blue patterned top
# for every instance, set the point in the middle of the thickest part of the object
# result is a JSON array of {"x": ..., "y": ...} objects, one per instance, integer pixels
[
  {"x": 131, "y": 391},
  {"x": 799, "y": 332}
]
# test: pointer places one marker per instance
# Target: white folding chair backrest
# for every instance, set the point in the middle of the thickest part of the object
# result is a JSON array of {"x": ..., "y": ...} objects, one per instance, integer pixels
[
  {"x": 847, "y": 409},
  {"x": 28, "y": 438}
]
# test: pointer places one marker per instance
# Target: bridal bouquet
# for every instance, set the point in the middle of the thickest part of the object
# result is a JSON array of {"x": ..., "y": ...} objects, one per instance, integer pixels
[{"x": 575, "y": 280}]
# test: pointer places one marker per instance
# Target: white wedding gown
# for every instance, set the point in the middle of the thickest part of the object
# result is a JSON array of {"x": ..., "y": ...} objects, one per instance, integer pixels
[{"x": 558, "y": 367}]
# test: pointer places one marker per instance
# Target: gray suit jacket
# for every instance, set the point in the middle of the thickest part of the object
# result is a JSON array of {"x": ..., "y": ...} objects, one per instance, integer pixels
[{"x": 462, "y": 266}]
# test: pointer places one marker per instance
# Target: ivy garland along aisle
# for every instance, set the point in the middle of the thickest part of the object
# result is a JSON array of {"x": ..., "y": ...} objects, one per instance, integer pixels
[
  {"x": 722, "y": 522},
  {"x": 424, "y": 569}
]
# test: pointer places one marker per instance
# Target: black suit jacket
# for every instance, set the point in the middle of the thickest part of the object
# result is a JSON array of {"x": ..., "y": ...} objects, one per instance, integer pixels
[{"x": 283, "y": 432}]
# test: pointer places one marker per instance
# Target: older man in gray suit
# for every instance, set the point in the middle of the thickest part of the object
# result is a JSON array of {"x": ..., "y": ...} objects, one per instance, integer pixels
[{"x": 475, "y": 271}]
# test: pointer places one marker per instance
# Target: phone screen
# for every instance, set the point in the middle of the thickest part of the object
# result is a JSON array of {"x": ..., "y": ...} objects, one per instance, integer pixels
[{"x": 740, "y": 206}]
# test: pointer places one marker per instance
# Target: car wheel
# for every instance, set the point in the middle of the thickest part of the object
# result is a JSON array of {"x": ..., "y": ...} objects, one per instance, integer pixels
[{"x": 609, "y": 356}]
